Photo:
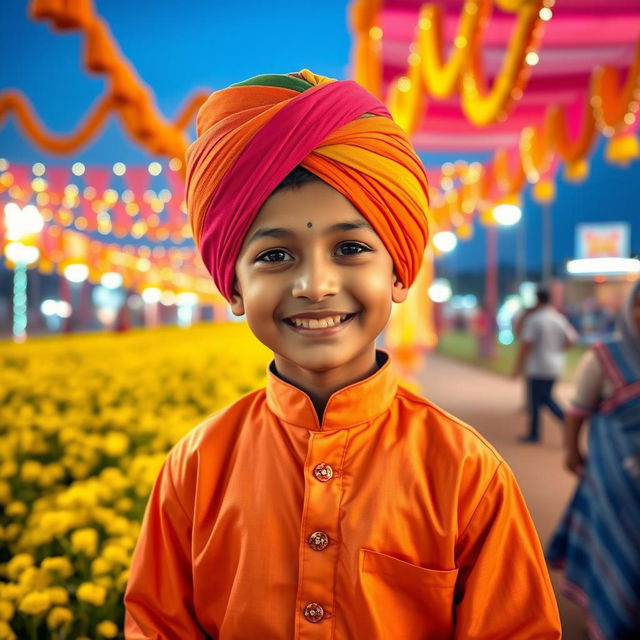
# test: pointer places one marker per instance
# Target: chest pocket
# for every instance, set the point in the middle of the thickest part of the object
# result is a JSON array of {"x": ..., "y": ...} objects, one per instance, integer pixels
[{"x": 407, "y": 601}]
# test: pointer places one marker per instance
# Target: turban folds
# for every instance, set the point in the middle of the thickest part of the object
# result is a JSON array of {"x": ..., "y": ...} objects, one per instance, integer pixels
[{"x": 251, "y": 135}]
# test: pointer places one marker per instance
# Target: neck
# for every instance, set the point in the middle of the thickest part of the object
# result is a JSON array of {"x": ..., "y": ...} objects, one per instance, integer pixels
[{"x": 320, "y": 384}]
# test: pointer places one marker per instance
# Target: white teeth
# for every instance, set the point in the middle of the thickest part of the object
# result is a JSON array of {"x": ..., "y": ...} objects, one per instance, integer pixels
[{"x": 313, "y": 323}]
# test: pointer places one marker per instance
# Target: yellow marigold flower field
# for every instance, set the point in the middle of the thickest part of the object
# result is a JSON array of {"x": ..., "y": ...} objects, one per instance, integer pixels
[{"x": 85, "y": 424}]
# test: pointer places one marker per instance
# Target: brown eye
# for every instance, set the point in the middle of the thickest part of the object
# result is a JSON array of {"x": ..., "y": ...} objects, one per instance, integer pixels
[
  {"x": 268, "y": 256},
  {"x": 359, "y": 248}
]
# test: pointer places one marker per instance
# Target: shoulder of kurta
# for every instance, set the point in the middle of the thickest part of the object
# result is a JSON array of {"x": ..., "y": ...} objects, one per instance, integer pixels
[
  {"x": 215, "y": 432},
  {"x": 450, "y": 432}
]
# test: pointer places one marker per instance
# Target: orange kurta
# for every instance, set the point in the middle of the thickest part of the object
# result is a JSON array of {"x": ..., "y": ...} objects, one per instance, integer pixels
[{"x": 390, "y": 520}]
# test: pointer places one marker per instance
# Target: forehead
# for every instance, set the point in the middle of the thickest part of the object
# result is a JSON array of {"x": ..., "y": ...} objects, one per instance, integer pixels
[{"x": 314, "y": 202}]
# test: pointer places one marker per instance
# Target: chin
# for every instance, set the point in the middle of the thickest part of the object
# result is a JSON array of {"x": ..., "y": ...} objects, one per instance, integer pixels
[{"x": 319, "y": 362}]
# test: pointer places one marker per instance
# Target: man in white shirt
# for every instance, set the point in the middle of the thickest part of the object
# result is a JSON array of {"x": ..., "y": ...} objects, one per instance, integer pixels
[{"x": 545, "y": 336}]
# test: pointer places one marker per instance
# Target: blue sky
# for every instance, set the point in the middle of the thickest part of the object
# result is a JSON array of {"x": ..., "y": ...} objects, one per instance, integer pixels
[{"x": 178, "y": 48}]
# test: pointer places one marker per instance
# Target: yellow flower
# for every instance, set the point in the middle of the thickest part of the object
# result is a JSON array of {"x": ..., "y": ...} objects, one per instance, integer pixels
[
  {"x": 116, "y": 444},
  {"x": 59, "y": 616},
  {"x": 118, "y": 526},
  {"x": 12, "y": 531},
  {"x": 5, "y": 492},
  {"x": 35, "y": 603},
  {"x": 100, "y": 566},
  {"x": 92, "y": 593},
  {"x": 124, "y": 505},
  {"x": 6, "y": 632},
  {"x": 85, "y": 541},
  {"x": 105, "y": 581},
  {"x": 7, "y": 609},
  {"x": 116, "y": 554},
  {"x": 58, "y": 595},
  {"x": 31, "y": 470},
  {"x": 60, "y": 565},
  {"x": 8, "y": 469},
  {"x": 12, "y": 591},
  {"x": 18, "y": 564},
  {"x": 80, "y": 470},
  {"x": 51, "y": 474},
  {"x": 55, "y": 523},
  {"x": 35, "y": 578},
  {"x": 122, "y": 579},
  {"x": 107, "y": 629},
  {"x": 15, "y": 508}
]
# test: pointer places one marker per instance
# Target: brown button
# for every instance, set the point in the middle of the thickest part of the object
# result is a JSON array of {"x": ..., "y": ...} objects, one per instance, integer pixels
[
  {"x": 323, "y": 472},
  {"x": 318, "y": 540},
  {"x": 313, "y": 612}
]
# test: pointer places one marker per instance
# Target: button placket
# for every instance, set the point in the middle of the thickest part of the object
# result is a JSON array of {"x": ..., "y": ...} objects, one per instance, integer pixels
[{"x": 319, "y": 536}]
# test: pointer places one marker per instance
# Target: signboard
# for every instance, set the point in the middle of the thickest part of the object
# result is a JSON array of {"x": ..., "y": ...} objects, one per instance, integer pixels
[{"x": 607, "y": 240}]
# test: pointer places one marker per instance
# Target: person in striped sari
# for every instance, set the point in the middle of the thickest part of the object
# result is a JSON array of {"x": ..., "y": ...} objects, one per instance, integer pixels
[{"x": 597, "y": 542}]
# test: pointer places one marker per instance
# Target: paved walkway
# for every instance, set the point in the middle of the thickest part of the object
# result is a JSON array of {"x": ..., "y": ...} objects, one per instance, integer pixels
[{"x": 493, "y": 405}]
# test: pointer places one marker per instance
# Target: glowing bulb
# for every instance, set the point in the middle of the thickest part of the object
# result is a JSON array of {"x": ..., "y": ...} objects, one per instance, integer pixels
[
  {"x": 440, "y": 290},
  {"x": 445, "y": 241},
  {"x": 545, "y": 14},
  {"x": 155, "y": 168},
  {"x": 507, "y": 214},
  {"x": 119, "y": 168},
  {"x": 76, "y": 272},
  {"x": 532, "y": 58}
]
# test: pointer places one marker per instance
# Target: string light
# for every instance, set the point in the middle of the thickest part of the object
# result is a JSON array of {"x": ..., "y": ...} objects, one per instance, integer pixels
[{"x": 155, "y": 168}]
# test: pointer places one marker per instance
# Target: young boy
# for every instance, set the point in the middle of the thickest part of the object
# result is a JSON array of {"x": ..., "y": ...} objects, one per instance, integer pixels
[{"x": 334, "y": 504}]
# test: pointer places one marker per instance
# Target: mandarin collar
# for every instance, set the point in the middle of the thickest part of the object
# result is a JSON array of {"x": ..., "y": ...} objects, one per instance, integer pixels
[{"x": 355, "y": 404}]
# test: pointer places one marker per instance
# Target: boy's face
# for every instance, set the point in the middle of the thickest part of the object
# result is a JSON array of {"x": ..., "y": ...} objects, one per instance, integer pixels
[{"x": 309, "y": 265}]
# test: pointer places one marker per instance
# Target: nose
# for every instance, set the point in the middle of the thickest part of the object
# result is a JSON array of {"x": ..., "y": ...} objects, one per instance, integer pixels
[{"x": 316, "y": 278}]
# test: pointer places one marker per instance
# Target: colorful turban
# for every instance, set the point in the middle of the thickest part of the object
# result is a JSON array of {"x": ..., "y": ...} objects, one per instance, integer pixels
[{"x": 254, "y": 133}]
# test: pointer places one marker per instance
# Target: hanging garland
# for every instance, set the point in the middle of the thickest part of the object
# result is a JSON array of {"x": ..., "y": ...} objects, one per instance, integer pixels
[{"x": 608, "y": 108}]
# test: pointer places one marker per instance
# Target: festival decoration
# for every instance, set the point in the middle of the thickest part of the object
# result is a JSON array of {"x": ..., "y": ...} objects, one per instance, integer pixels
[{"x": 534, "y": 102}]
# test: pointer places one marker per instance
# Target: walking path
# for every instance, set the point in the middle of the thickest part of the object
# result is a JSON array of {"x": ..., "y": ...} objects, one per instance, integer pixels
[{"x": 493, "y": 405}]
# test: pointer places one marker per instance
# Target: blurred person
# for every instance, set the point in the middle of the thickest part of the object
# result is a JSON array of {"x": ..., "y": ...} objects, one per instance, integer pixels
[
  {"x": 598, "y": 538},
  {"x": 545, "y": 336},
  {"x": 485, "y": 335},
  {"x": 334, "y": 503}
]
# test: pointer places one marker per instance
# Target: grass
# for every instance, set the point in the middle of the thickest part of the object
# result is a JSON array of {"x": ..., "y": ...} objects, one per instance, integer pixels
[{"x": 462, "y": 346}]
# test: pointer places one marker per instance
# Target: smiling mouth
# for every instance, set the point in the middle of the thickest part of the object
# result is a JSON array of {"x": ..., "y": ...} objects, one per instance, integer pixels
[{"x": 344, "y": 319}]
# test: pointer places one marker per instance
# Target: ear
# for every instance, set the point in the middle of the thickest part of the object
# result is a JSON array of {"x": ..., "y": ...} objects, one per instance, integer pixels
[
  {"x": 399, "y": 292},
  {"x": 237, "y": 303}
]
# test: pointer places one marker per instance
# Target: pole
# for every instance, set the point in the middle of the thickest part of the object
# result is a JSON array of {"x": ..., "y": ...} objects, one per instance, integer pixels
[
  {"x": 521, "y": 253},
  {"x": 491, "y": 285},
  {"x": 547, "y": 244}
]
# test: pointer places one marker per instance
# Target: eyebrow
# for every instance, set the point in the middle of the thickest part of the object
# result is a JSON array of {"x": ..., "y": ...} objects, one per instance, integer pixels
[{"x": 282, "y": 232}]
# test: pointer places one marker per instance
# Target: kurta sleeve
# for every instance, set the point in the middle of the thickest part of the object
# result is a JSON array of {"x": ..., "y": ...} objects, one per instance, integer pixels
[
  {"x": 503, "y": 589},
  {"x": 159, "y": 594}
]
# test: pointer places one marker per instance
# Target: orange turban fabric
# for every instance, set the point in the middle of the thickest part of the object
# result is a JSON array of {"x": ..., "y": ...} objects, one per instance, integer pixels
[{"x": 254, "y": 133}]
